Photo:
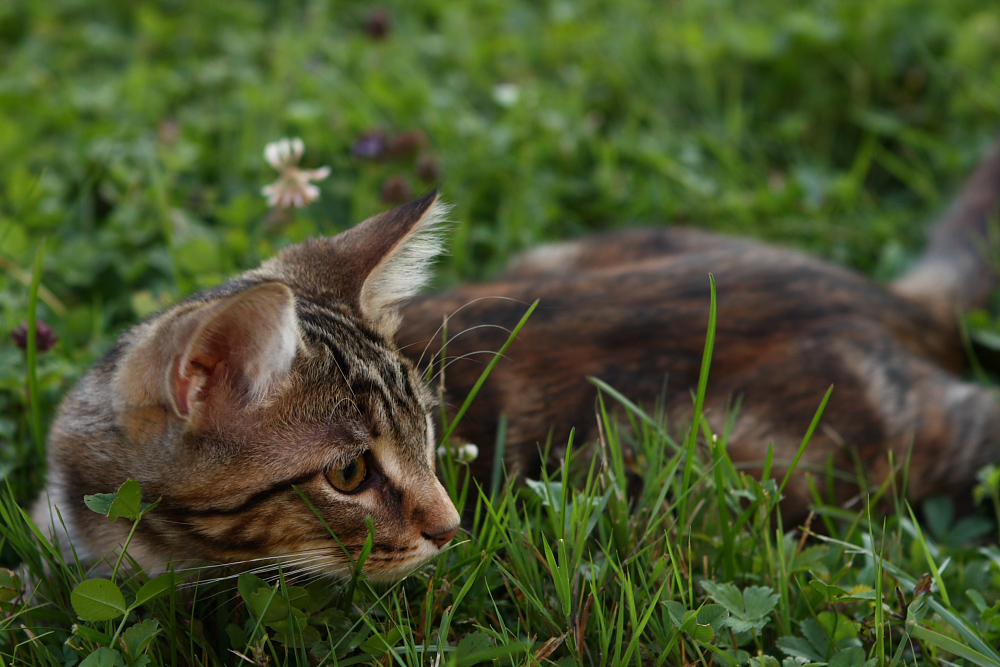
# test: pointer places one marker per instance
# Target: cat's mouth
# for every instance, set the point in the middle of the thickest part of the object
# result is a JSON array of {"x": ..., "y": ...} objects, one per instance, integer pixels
[{"x": 388, "y": 567}]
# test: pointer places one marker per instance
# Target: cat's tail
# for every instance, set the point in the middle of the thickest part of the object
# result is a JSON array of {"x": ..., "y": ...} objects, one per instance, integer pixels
[{"x": 958, "y": 271}]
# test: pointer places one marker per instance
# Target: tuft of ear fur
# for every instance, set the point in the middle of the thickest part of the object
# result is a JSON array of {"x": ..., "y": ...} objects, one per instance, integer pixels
[
  {"x": 235, "y": 349},
  {"x": 405, "y": 269},
  {"x": 372, "y": 266}
]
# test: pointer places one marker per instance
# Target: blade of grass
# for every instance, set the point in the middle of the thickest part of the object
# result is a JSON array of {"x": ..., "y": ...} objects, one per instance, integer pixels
[
  {"x": 879, "y": 598},
  {"x": 952, "y": 646},
  {"x": 498, "y": 457},
  {"x": 44, "y": 293},
  {"x": 632, "y": 408},
  {"x": 935, "y": 571},
  {"x": 446, "y": 617},
  {"x": 699, "y": 401},
  {"x": 805, "y": 442}
]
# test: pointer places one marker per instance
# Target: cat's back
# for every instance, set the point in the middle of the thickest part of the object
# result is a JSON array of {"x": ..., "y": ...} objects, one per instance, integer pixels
[{"x": 610, "y": 289}]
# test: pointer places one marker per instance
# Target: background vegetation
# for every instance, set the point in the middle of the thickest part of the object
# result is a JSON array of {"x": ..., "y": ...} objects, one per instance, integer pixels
[{"x": 132, "y": 137}]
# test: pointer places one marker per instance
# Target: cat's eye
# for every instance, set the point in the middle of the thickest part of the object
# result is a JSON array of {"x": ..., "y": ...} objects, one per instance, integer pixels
[{"x": 348, "y": 478}]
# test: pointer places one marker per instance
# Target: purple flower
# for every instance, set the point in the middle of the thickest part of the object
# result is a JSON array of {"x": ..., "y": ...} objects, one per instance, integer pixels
[
  {"x": 378, "y": 23},
  {"x": 428, "y": 169},
  {"x": 45, "y": 337},
  {"x": 371, "y": 145},
  {"x": 406, "y": 144}
]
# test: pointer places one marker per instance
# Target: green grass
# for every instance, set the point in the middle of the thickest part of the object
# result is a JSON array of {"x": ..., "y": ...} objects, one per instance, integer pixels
[{"x": 132, "y": 136}]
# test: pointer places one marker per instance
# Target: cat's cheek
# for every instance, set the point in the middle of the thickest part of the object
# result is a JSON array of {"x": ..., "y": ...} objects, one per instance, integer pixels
[{"x": 144, "y": 425}]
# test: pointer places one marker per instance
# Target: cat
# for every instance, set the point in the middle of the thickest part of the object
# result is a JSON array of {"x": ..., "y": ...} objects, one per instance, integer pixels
[
  {"x": 298, "y": 376},
  {"x": 632, "y": 309},
  {"x": 284, "y": 378}
]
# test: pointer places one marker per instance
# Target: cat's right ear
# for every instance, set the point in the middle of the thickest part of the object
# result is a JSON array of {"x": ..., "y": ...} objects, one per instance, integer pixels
[{"x": 224, "y": 353}]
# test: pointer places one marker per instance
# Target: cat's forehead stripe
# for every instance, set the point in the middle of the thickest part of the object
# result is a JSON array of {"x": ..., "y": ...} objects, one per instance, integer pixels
[
  {"x": 342, "y": 335},
  {"x": 370, "y": 365},
  {"x": 361, "y": 373}
]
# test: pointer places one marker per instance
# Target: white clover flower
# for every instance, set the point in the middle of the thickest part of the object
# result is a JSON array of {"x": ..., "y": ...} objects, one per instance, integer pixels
[
  {"x": 294, "y": 187},
  {"x": 465, "y": 454}
]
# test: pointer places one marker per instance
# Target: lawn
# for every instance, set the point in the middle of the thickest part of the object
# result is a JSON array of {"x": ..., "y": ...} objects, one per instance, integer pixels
[{"x": 132, "y": 136}]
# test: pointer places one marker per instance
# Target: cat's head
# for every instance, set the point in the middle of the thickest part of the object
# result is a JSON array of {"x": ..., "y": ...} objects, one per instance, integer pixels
[{"x": 276, "y": 409}]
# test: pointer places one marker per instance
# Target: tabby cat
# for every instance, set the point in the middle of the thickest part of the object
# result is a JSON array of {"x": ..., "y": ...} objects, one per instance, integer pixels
[
  {"x": 286, "y": 376},
  {"x": 290, "y": 375}
]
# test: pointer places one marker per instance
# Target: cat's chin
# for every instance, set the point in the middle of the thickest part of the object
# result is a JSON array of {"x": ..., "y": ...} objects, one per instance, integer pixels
[{"x": 388, "y": 570}]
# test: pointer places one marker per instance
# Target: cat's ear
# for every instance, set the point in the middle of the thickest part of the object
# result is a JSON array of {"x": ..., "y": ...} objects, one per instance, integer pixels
[
  {"x": 404, "y": 267},
  {"x": 237, "y": 349},
  {"x": 374, "y": 265},
  {"x": 224, "y": 353}
]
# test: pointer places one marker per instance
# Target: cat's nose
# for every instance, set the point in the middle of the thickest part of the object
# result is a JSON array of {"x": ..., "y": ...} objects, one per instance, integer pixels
[{"x": 442, "y": 538}]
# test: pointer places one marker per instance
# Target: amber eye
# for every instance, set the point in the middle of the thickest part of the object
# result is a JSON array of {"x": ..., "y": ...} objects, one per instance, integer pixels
[{"x": 348, "y": 478}]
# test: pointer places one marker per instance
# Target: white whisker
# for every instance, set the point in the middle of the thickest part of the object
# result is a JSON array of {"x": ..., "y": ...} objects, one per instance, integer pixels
[
  {"x": 458, "y": 310},
  {"x": 265, "y": 564},
  {"x": 467, "y": 355},
  {"x": 465, "y": 331}
]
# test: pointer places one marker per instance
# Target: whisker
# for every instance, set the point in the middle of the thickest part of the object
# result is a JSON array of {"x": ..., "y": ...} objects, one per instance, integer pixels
[
  {"x": 265, "y": 564},
  {"x": 306, "y": 573},
  {"x": 467, "y": 355},
  {"x": 236, "y": 563},
  {"x": 346, "y": 380},
  {"x": 428, "y": 341},
  {"x": 458, "y": 310},
  {"x": 458, "y": 335},
  {"x": 352, "y": 403},
  {"x": 315, "y": 566}
]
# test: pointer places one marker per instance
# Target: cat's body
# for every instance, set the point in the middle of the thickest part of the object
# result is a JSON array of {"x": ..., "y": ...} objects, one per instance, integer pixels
[
  {"x": 289, "y": 377},
  {"x": 632, "y": 309}
]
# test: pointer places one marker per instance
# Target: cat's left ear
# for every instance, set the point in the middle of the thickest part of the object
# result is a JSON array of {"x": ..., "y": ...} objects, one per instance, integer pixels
[
  {"x": 374, "y": 265},
  {"x": 240, "y": 346},
  {"x": 211, "y": 356}
]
